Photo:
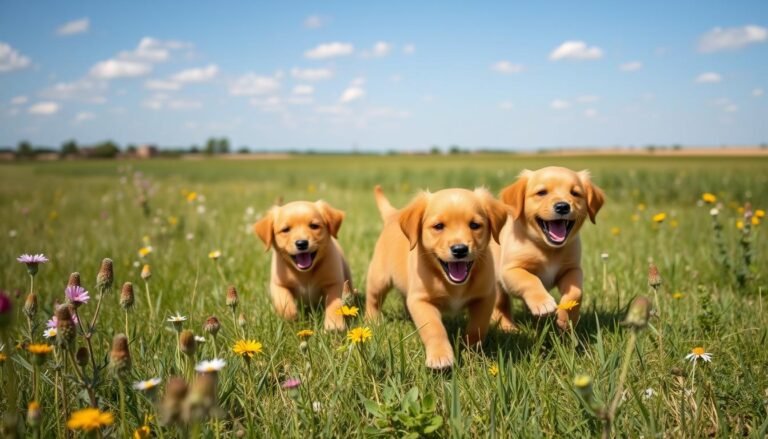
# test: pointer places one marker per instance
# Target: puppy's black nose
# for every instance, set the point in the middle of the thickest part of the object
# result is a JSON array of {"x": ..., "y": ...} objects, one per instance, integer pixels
[
  {"x": 459, "y": 251},
  {"x": 562, "y": 208},
  {"x": 302, "y": 244}
]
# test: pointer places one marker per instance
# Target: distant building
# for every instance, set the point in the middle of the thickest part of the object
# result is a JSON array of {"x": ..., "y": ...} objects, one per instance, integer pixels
[{"x": 146, "y": 151}]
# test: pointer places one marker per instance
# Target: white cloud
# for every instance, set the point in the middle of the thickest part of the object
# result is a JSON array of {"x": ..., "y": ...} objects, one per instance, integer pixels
[
  {"x": 160, "y": 84},
  {"x": 380, "y": 49},
  {"x": 311, "y": 74},
  {"x": 19, "y": 100},
  {"x": 590, "y": 113},
  {"x": 315, "y": 22},
  {"x": 303, "y": 89},
  {"x": 631, "y": 66},
  {"x": 559, "y": 104},
  {"x": 409, "y": 49},
  {"x": 506, "y": 105},
  {"x": 252, "y": 84},
  {"x": 74, "y": 27},
  {"x": 708, "y": 78},
  {"x": 153, "y": 50},
  {"x": 86, "y": 90},
  {"x": 507, "y": 67},
  {"x": 44, "y": 108},
  {"x": 576, "y": 50},
  {"x": 201, "y": 74},
  {"x": 587, "y": 99},
  {"x": 115, "y": 68},
  {"x": 730, "y": 108},
  {"x": 330, "y": 50},
  {"x": 351, "y": 94},
  {"x": 83, "y": 116},
  {"x": 358, "y": 82},
  {"x": 732, "y": 38},
  {"x": 11, "y": 59},
  {"x": 161, "y": 101},
  {"x": 757, "y": 92}
]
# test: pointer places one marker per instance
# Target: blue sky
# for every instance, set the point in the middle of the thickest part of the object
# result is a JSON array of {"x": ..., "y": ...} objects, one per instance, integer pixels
[{"x": 389, "y": 75}]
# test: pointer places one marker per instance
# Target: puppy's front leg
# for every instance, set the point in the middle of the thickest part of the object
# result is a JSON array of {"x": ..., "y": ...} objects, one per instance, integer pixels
[
  {"x": 570, "y": 289},
  {"x": 428, "y": 321},
  {"x": 334, "y": 321},
  {"x": 479, "y": 319},
  {"x": 502, "y": 315},
  {"x": 528, "y": 286},
  {"x": 283, "y": 301}
]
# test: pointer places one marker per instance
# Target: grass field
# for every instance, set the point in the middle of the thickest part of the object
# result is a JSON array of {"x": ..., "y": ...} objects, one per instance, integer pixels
[{"x": 520, "y": 385}]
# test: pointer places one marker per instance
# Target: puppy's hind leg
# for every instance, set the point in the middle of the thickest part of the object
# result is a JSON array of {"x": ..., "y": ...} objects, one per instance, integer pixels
[
  {"x": 377, "y": 286},
  {"x": 502, "y": 315}
]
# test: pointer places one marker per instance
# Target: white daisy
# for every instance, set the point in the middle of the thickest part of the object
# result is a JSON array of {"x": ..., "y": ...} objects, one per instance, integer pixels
[
  {"x": 177, "y": 318},
  {"x": 199, "y": 339},
  {"x": 214, "y": 365},
  {"x": 699, "y": 353},
  {"x": 49, "y": 333},
  {"x": 147, "y": 384},
  {"x": 649, "y": 393}
]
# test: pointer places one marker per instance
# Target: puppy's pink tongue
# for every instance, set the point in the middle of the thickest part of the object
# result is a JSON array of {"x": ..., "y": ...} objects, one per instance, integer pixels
[
  {"x": 458, "y": 271},
  {"x": 557, "y": 230},
  {"x": 304, "y": 260}
]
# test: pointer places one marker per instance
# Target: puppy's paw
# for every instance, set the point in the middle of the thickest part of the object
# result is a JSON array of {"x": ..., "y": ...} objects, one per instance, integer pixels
[
  {"x": 566, "y": 320},
  {"x": 440, "y": 357},
  {"x": 540, "y": 304},
  {"x": 503, "y": 323},
  {"x": 334, "y": 324}
]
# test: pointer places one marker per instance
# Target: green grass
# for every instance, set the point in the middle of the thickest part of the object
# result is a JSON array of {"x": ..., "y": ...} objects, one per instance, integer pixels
[{"x": 80, "y": 212}]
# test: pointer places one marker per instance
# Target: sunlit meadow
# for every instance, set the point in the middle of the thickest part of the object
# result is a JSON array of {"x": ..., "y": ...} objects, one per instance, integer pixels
[{"x": 168, "y": 330}]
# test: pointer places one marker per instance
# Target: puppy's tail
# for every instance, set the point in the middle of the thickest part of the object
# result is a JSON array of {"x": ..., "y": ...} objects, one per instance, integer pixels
[{"x": 385, "y": 208}]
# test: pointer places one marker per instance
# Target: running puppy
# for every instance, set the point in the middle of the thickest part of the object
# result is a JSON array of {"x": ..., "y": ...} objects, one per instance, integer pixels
[
  {"x": 541, "y": 247},
  {"x": 307, "y": 262},
  {"x": 435, "y": 251}
]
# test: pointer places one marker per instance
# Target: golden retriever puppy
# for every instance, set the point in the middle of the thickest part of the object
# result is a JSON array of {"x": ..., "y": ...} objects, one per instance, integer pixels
[
  {"x": 541, "y": 249},
  {"x": 307, "y": 263},
  {"x": 435, "y": 251}
]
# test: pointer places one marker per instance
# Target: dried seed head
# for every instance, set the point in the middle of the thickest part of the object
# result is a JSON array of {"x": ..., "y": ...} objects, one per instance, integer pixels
[
  {"x": 74, "y": 280},
  {"x": 81, "y": 356},
  {"x": 748, "y": 213},
  {"x": 241, "y": 320},
  {"x": 106, "y": 276},
  {"x": 187, "y": 342},
  {"x": 120, "y": 356},
  {"x": 212, "y": 325},
  {"x": 231, "y": 296},
  {"x": 30, "y": 305},
  {"x": 202, "y": 400},
  {"x": 638, "y": 313},
  {"x": 347, "y": 295},
  {"x": 65, "y": 328},
  {"x": 654, "y": 278},
  {"x": 126, "y": 296},
  {"x": 146, "y": 272},
  {"x": 170, "y": 409}
]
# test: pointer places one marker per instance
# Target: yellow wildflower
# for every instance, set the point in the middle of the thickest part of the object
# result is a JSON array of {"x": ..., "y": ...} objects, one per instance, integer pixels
[
  {"x": 347, "y": 311},
  {"x": 247, "y": 348},
  {"x": 641, "y": 207},
  {"x": 191, "y": 196},
  {"x": 493, "y": 369},
  {"x": 3, "y": 357},
  {"x": 759, "y": 213},
  {"x": 615, "y": 231},
  {"x": 215, "y": 255},
  {"x": 739, "y": 224},
  {"x": 708, "y": 197},
  {"x": 144, "y": 251},
  {"x": 89, "y": 419},
  {"x": 172, "y": 220},
  {"x": 142, "y": 432},
  {"x": 755, "y": 221},
  {"x": 567, "y": 305},
  {"x": 659, "y": 217},
  {"x": 40, "y": 349},
  {"x": 677, "y": 295},
  {"x": 305, "y": 333},
  {"x": 359, "y": 334}
]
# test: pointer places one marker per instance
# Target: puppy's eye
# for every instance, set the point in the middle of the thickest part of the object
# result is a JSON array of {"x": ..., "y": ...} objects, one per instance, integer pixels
[
  {"x": 474, "y": 226},
  {"x": 285, "y": 230},
  {"x": 314, "y": 226},
  {"x": 542, "y": 192},
  {"x": 575, "y": 193},
  {"x": 439, "y": 226}
]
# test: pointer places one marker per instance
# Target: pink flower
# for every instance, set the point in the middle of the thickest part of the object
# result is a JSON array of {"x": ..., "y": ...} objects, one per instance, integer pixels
[
  {"x": 77, "y": 295},
  {"x": 53, "y": 321},
  {"x": 32, "y": 259},
  {"x": 291, "y": 383}
]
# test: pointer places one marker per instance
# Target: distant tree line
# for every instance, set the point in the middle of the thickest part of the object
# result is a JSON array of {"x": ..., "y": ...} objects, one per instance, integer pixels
[{"x": 109, "y": 149}]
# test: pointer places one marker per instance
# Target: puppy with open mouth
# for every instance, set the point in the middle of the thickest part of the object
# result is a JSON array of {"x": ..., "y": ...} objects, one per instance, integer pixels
[
  {"x": 435, "y": 251},
  {"x": 540, "y": 248},
  {"x": 308, "y": 263}
]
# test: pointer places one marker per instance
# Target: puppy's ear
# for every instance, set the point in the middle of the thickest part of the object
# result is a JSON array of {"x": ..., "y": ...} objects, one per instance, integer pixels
[
  {"x": 411, "y": 218},
  {"x": 514, "y": 194},
  {"x": 263, "y": 229},
  {"x": 333, "y": 217},
  {"x": 496, "y": 211},
  {"x": 595, "y": 195}
]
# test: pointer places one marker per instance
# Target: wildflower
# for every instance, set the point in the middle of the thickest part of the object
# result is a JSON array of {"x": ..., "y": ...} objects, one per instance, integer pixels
[
  {"x": 212, "y": 325},
  {"x": 714, "y": 211},
  {"x": 146, "y": 272},
  {"x": 232, "y": 296},
  {"x": 49, "y": 333},
  {"x": 74, "y": 279},
  {"x": 65, "y": 328},
  {"x": 305, "y": 333},
  {"x": 32, "y": 261},
  {"x": 39, "y": 352},
  {"x": 641, "y": 207},
  {"x": 316, "y": 406},
  {"x": 145, "y": 251},
  {"x": 143, "y": 432},
  {"x": 34, "y": 414},
  {"x": 214, "y": 255},
  {"x": 106, "y": 276},
  {"x": 241, "y": 321},
  {"x": 604, "y": 256},
  {"x": 210, "y": 366},
  {"x": 347, "y": 311},
  {"x": 755, "y": 221},
  {"x": 53, "y": 321},
  {"x": 3, "y": 357},
  {"x": 638, "y": 313},
  {"x": 247, "y": 348},
  {"x": 493, "y": 369},
  {"x": 187, "y": 342},
  {"x": 739, "y": 224},
  {"x": 303, "y": 347},
  {"x": 649, "y": 393},
  {"x": 759, "y": 213},
  {"x": 120, "y": 356},
  {"x": 659, "y": 217},
  {"x": 708, "y": 198},
  {"x": 568, "y": 305},
  {"x": 677, "y": 295},
  {"x": 583, "y": 384},
  {"x": 147, "y": 385},
  {"x": 699, "y": 353},
  {"x": 172, "y": 220},
  {"x": 175, "y": 392},
  {"x": 126, "y": 296},
  {"x": 199, "y": 339},
  {"x": 30, "y": 305},
  {"x": 177, "y": 321},
  {"x": 654, "y": 278},
  {"x": 191, "y": 196},
  {"x": 6, "y": 309},
  {"x": 77, "y": 295},
  {"x": 291, "y": 383},
  {"x": 360, "y": 334},
  {"x": 89, "y": 419}
]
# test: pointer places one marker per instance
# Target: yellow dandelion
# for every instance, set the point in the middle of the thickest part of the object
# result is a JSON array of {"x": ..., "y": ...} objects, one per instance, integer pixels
[
  {"x": 493, "y": 369},
  {"x": 89, "y": 419},
  {"x": 677, "y": 295},
  {"x": 567, "y": 305},
  {"x": 708, "y": 198},
  {"x": 739, "y": 224},
  {"x": 360, "y": 334},
  {"x": 659, "y": 217},
  {"x": 142, "y": 432},
  {"x": 144, "y": 251},
  {"x": 755, "y": 221},
  {"x": 347, "y": 311},
  {"x": 615, "y": 231},
  {"x": 40, "y": 349},
  {"x": 305, "y": 333},
  {"x": 759, "y": 213},
  {"x": 191, "y": 196},
  {"x": 247, "y": 348},
  {"x": 214, "y": 255}
]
